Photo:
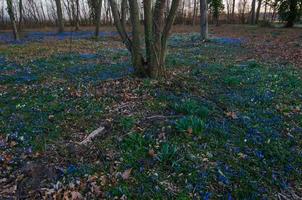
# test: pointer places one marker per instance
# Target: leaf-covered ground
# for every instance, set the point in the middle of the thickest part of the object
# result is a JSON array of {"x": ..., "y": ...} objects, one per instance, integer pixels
[{"x": 224, "y": 124}]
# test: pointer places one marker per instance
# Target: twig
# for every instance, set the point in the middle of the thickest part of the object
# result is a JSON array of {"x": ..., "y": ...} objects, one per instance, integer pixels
[{"x": 92, "y": 135}]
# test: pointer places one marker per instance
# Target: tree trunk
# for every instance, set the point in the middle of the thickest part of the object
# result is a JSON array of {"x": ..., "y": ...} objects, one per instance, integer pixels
[
  {"x": 233, "y": 11},
  {"x": 21, "y": 14},
  {"x": 265, "y": 10},
  {"x": 204, "y": 19},
  {"x": 148, "y": 29},
  {"x": 157, "y": 51},
  {"x": 137, "y": 58},
  {"x": 157, "y": 30},
  {"x": 77, "y": 16},
  {"x": 194, "y": 12},
  {"x": 98, "y": 18},
  {"x": 124, "y": 6},
  {"x": 60, "y": 16},
  {"x": 258, "y": 11},
  {"x": 252, "y": 20},
  {"x": 10, "y": 10},
  {"x": 183, "y": 12}
]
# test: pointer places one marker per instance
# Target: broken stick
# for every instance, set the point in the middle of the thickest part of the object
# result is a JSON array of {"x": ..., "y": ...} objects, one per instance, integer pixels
[{"x": 92, "y": 135}]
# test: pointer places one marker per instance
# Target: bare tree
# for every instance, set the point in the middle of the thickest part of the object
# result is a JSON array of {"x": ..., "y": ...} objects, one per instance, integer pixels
[
  {"x": 98, "y": 18},
  {"x": 10, "y": 10},
  {"x": 265, "y": 9},
  {"x": 20, "y": 14},
  {"x": 228, "y": 8},
  {"x": 233, "y": 10},
  {"x": 258, "y": 11},
  {"x": 242, "y": 7},
  {"x": 183, "y": 12},
  {"x": 194, "y": 12},
  {"x": 204, "y": 19},
  {"x": 76, "y": 14},
  {"x": 252, "y": 15},
  {"x": 60, "y": 16},
  {"x": 157, "y": 30}
]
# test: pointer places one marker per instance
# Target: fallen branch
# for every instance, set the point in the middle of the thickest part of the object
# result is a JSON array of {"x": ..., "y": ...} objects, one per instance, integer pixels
[
  {"x": 162, "y": 116},
  {"x": 92, "y": 135}
]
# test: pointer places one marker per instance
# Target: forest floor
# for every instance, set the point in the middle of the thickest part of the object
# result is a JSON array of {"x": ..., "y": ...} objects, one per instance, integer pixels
[{"x": 226, "y": 123}]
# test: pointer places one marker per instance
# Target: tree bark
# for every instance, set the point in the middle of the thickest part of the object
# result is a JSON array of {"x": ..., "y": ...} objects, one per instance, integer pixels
[
  {"x": 258, "y": 10},
  {"x": 21, "y": 14},
  {"x": 98, "y": 18},
  {"x": 194, "y": 12},
  {"x": 60, "y": 16},
  {"x": 157, "y": 29},
  {"x": 252, "y": 20},
  {"x": 233, "y": 11},
  {"x": 204, "y": 19},
  {"x": 148, "y": 29},
  {"x": 265, "y": 10},
  {"x": 124, "y": 6},
  {"x": 137, "y": 58},
  {"x": 183, "y": 12},
  {"x": 10, "y": 10},
  {"x": 122, "y": 32},
  {"x": 77, "y": 15}
]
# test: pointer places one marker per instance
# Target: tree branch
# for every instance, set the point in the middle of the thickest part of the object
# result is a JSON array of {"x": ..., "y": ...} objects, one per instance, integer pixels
[{"x": 121, "y": 30}]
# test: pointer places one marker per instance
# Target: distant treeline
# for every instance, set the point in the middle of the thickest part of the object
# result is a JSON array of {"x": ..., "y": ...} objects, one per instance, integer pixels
[{"x": 41, "y": 13}]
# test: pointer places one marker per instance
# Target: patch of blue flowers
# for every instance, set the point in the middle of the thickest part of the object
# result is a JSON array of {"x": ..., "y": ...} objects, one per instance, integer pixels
[
  {"x": 41, "y": 36},
  {"x": 228, "y": 41}
]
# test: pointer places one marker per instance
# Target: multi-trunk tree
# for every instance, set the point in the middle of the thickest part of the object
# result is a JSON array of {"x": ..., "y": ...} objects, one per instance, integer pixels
[
  {"x": 156, "y": 32},
  {"x": 10, "y": 10}
]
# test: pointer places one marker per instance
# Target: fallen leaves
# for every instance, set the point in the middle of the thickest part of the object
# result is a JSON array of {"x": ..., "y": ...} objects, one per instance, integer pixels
[
  {"x": 151, "y": 153},
  {"x": 72, "y": 195},
  {"x": 232, "y": 115},
  {"x": 126, "y": 174}
]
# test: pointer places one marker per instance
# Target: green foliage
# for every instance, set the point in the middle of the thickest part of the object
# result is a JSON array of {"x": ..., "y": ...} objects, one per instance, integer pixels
[
  {"x": 289, "y": 11},
  {"x": 134, "y": 147},
  {"x": 232, "y": 81},
  {"x": 191, "y": 124},
  {"x": 127, "y": 123},
  {"x": 168, "y": 153},
  {"x": 191, "y": 107},
  {"x": 216, "y": 7}
]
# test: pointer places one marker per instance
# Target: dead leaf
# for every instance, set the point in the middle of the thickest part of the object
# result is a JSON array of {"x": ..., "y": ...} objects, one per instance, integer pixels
[
  {"x": 9, "y": 190},
  {"x": 76, "y": 195},
  {"x": 190, "y": 131},
  {"x": 96, "y": 189},
  {"x": 162, "y": 136},
  {"x": 13, "y": 143},
  {"x": 152, "y": 153},
  {"x": 232, "y": 115},
  {"x": 103, "y": 180},
  {"x": 126, "y": 174}
]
